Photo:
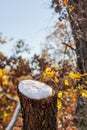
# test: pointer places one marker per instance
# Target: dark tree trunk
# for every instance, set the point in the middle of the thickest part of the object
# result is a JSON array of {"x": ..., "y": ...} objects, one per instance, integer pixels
[
  {"x": 39, "y": 114},
  {"x": 81, "y": 113},
  {"x": 78, "y": 20}
]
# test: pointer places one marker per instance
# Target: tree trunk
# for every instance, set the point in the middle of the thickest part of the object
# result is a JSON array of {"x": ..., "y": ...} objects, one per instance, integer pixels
[
  {"x": 39, "y": 113},
  {"x": 78, "y": 20},
  {"x": 81, "y": 113}
]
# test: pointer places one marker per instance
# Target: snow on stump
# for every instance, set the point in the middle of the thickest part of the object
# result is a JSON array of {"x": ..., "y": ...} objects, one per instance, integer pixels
[{"x": 39, "y": 105}]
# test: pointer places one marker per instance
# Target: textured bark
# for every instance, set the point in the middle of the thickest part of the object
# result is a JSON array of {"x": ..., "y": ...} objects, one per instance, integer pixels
[
  {"x": 81, "y": 114},
  {"x": 78, "y": 20},
  {"x": 39, "y": 114}
]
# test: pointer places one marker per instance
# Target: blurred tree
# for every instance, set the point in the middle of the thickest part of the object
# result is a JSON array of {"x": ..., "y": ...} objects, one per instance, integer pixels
[
  {"x": 74, "y": 11},
  {"x": 78, "y": 19},
  {"x": 20, "y": 48}
]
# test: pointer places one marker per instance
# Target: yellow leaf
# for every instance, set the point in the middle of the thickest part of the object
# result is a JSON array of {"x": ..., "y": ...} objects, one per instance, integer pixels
[
  {"x": 60, "y": 94},
  {"x": 62, "y": 26},
  {"x": 1, "y": 73},
  {"x": 59, "y": 104},
  {"x": 71, "y": 8},
  {"x": 57, "y": 68},
  {"x": 66, "y": 93},
  {"x": 5, "y": 71},
  {"x": 79, "y": 87},
  {"x": 56, "y": 79},
  {"x": 84, "y": 93},
  {"x": 74, "y": 76},
  {"x": 16, "y": 97},
  {"x": 74, "y": 96},
  {"x": 49, "y": 72},
  {"x": 66, "y": 82},
  {"x": 5, "y": 114},
  {"x": 4, "y": 80},
  {"x": 4, "y": 77}
]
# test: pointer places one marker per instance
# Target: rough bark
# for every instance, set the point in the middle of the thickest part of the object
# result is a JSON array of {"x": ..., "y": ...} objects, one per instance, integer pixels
[
  {"x": 39, "y": 114},
  {"x": 81, "y": 114},
  {"x": 78, "y": 20}
]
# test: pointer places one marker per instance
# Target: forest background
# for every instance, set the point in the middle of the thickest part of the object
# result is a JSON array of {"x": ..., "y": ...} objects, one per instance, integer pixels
[{"x": 62, "y": 64}]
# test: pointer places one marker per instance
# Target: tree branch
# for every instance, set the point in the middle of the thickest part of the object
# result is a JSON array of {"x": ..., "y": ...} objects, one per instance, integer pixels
[
  {"x": 15, "y": 115},
  {"x": 69, "y": 46},
  {"x": 14, "y": 118}
]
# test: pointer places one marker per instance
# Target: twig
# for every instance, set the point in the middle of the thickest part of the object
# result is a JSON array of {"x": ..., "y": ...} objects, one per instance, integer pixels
[
  {"x": 14, "y": 118},
  {"x": 15, "y": 115},
  {"x": 69, "y": 46}
]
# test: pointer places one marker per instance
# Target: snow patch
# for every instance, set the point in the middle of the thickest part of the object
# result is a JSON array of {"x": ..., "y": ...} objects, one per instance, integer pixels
[{"x": 34, "y": 89}]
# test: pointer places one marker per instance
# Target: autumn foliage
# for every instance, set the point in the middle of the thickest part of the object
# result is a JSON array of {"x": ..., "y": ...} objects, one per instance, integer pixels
[
  {"x": 68, "y": 77},
  {"x": 61, "y": 78}
]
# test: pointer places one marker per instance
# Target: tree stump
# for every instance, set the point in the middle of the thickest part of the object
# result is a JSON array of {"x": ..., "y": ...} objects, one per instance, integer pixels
[{"x": 39, "y": 105}]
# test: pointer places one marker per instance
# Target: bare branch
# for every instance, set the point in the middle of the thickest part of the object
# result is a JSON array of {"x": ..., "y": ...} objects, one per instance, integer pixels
[
  {"x": 69, "y": 46},
  {"x": 14, "y": 118},
  {"x": 15, "y": 115}
]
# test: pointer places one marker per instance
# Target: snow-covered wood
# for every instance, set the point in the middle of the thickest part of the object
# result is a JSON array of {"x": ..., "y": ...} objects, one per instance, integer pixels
[{"x": 34, "y": 89}]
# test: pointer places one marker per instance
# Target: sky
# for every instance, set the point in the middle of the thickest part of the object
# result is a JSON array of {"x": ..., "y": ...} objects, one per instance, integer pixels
[{"x": 25, "y": 19}]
